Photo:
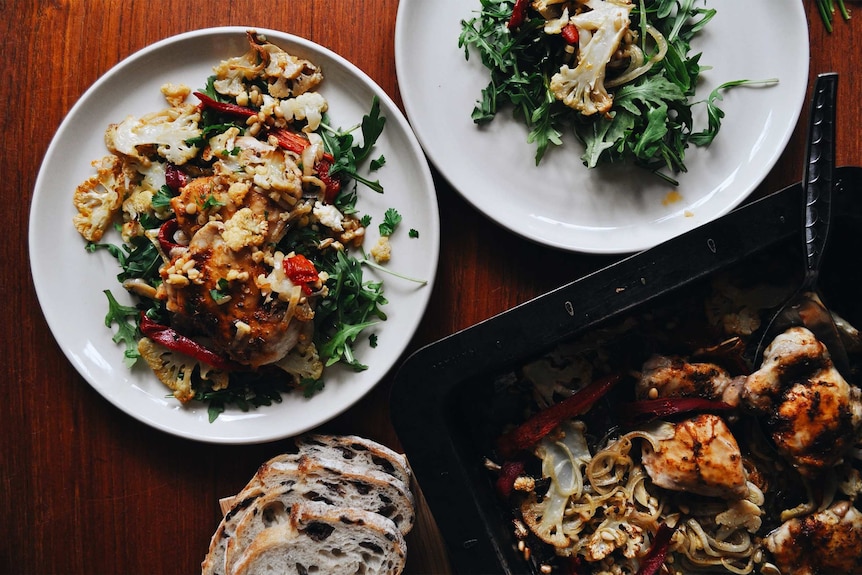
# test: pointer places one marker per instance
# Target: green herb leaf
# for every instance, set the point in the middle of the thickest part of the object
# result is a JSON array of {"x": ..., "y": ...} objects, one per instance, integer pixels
[
  {"x": 126, "y": 319},
  {"x": 391, "y": 219}
]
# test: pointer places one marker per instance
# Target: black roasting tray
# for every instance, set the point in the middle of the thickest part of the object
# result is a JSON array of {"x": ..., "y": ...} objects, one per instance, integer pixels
[{"x": 437, "y": 389}]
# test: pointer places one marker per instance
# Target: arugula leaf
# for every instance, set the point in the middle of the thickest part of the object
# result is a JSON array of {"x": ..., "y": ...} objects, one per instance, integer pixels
[
  {"x": 246, "y": 391},
  {"x": 650, "y": 122},
  {"x": 128, "y": 333},
  {"x": 353, "y": 305},
  {"x": 162, "y": 198},
  {"x": 349, "y": 157},
  {"x": 339, "y": 347},
  {"x": 138, "y": 259},
  {"x": 716, "y": 114}
]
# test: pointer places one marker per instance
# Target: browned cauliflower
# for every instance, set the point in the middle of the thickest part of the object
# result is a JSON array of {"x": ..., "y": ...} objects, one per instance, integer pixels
[
  {"x": 600, "y": 29},
  {"x": 177, "y": 371},
  {"x": 99, "y": 198},
  {"x": 166, "y": 131}
]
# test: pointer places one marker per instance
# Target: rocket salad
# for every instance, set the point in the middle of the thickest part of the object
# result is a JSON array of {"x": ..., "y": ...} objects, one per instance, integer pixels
[{"x": 620, "y": 75}]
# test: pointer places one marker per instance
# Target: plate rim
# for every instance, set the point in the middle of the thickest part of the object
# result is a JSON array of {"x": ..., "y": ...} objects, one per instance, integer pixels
[{"x": 422, "y": 176}]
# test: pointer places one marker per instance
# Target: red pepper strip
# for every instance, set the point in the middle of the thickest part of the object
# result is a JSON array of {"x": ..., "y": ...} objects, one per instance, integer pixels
[
  {"x": 224, "y": 107},
  {"x": 166, "y": 235},
  {"x": 294, "y": 142},
  {"x": 301, "y": 271},
  {"x": 650, "y": 409},
  {"x": 172, "y": 340},
  {"x": 576, "y": 566},
  {"x": 175, "y": 178},
  {"x": 570, "y": 34},
  {"x": 519, "y": 14},
  {"x": 655, "y": 557},
  {"x": 539, "y": 425},
  {"x": 333, "y": 184},
  {"x": 509, "y": 472}
]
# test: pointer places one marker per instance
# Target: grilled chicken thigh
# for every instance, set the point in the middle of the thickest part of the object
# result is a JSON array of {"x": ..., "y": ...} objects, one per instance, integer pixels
[
  {"x": 812, "y": 414},
  {"x": 829, "y": 541},
  {"x": 242, "y": 323},
  {"x": 664, "y": 376},
  {"x": 699, "y": 456}
]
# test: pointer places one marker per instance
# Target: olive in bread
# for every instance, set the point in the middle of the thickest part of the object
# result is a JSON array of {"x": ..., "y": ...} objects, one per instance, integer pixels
[{"x": 319, "y": 538}]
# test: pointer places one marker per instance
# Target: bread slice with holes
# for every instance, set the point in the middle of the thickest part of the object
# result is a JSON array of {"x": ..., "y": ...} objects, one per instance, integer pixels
[
  {"x": 214, "y": 562},
  {"x": 306, "y": 479},
  {"x": 316, "y": 478},
  {"x": 356, "y": 451},
  {"x": 316, "y": 537}
]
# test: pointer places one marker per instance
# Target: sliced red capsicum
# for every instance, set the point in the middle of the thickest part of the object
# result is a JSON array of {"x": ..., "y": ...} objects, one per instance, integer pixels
[
  {"x": 294, "y": 141},
  {"x": 650, "y": 409},
  {"x": 166, "y": 235},
  {"x": 224, "y": 107},
  {"x": 654, "y": 559},
  {"x": 301, "y": 271},
  {"x": 519, "y": 14},
  {"x": 175, "y": 178},
  {"x": 542, "y": 423},
  {"x": 169, "y": 338},
  {"x": 570, "y": 34},
  {"x": 333, "y": 184},
  {"x": 509, "y": 472}
]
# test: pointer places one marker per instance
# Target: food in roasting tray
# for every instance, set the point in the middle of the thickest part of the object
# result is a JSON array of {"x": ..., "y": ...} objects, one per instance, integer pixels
[{"x": 656, "y": 442}]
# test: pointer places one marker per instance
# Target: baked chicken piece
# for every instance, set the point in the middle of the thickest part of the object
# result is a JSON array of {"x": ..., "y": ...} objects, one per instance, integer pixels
[
  {"x": 812, "y": 414},
  {"x": 829, "y": 541},
  {"x": 697, "y": 455},
  {"x": 664, "y": 376}
]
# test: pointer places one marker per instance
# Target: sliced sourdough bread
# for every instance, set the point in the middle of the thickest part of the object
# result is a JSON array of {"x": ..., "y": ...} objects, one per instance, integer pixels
[
  {"x": 343, "y": 472},
  {"x": 357, "y": 451},
  {"x": 285, "y": 484},
  {"x": 214, "y": 562},
  {"x": 320, "y": 538}
]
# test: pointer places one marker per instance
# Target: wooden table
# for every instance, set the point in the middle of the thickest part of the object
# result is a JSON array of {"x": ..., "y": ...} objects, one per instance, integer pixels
[{"x": 84, "y": 487}]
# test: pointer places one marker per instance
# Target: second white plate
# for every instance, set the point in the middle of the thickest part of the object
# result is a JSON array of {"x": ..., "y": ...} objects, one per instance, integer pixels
[{"x": 563, "y": 204}]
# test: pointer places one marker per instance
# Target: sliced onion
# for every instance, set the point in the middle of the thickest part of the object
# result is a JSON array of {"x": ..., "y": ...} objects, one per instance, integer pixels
[{"x": 640, "y": 70}]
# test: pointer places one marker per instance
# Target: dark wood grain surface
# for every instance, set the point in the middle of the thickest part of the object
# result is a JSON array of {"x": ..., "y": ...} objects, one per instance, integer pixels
[{"x": 84, "y": 488}]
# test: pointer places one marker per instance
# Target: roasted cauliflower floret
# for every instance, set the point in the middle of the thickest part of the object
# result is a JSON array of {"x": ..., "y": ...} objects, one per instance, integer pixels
[
  {"x": 232, "y": 73},
  {"x": 178, "y": 371},
  {"x": 309, "y": 106},
  {"x": 600, "y": 30},
  {"x": 302, "y": 363},
  {"x": 275, "y": 170},
  {"x": 165, "y": 132},
  {"x": 99, "y": 198},
  {"x": 137, "y": 204},
  {"x": 175, "y": 94},
  {"x": 244, "y": 229},
  {"x": 382, "y": 250}
]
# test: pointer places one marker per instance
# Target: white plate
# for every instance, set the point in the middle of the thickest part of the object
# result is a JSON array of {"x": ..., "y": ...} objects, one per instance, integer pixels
[
  {"x": 69, "y": 281},
  {"x": 563, "y": 204}
]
